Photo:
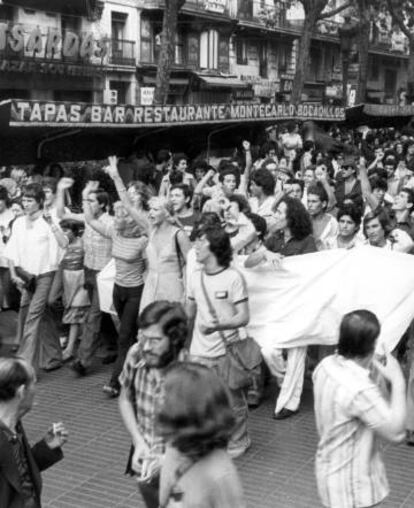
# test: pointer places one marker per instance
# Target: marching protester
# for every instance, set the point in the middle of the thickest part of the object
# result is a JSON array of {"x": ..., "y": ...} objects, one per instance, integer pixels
[
  {"x": 197, "y": 421},
  {"x": 217, "y": 306},
  {"x": 20, "y": 464},
  {"x": 163, "y": 331},
  {"x": 34, "y": 255},
  {"x": 351, "y": 411}
]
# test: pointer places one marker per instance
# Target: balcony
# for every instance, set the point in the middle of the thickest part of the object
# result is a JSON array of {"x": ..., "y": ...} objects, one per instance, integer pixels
[
  {"x": 122, "y": 52},
  {"x": 183, "y": 63},
  {"x": 220, "y": 7}
]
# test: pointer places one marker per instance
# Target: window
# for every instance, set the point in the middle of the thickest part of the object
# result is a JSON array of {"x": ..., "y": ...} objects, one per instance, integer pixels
[
  {"x": 118, "y": 25},
  {"x": 147, "y": 54},
  {"x": 374, "y": 69},
  {"x": 241, "y": 52},
  {"x": 284, "y": 58},
  {"x": 6, "y": 13},
  {"x": 179, "y": 49},
  {"x": 209, "y": 49},
  {"x": 70, "y": 23}
]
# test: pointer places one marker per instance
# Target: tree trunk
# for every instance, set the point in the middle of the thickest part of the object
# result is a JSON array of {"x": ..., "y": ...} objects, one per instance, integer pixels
[
  {"x": 363, "y": 51},
  {"x": 303, "y": 56},
  {"x": 167, "y": 50},
  {"x": 345, "y": 77},
  {"x": 410, "y": 73}
]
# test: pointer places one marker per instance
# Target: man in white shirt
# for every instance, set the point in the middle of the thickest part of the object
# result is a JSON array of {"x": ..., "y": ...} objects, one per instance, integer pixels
[
  {"x": 352, "y": 412},
  {"x": 34, "y": 255},
  {"x": 226, "y": 291}
]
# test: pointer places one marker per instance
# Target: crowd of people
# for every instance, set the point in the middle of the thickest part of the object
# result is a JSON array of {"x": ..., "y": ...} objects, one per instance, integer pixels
[{"x": 174, "y": 231}]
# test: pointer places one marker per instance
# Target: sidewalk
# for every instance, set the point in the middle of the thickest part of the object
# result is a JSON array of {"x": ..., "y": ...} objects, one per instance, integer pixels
[{"x": 277, "y": 472}]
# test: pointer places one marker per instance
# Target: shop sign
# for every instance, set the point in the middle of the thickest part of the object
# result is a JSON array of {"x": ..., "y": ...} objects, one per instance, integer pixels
[
  {"x": 243, "y": 94},
  {"x": 147, "y": 95},
  {"x": 35, "y": 41},
  {"x": 55, "y": 68},
  {"x": 218, "y": 6},
  {"x": 388, "y": 110},
  {"x": 30, "y": 113}
]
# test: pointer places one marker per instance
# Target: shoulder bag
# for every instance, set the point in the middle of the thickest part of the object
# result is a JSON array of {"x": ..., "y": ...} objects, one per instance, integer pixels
[{"x": 243, "y": 357}]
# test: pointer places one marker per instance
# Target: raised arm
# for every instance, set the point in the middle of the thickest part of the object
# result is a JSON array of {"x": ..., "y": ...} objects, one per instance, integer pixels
[
  {"x": 63, "y": 186},
  {"x": 366, "y": 186},
  {"x": 138, "y": 216},
  {"x": 60, "y": 236}
]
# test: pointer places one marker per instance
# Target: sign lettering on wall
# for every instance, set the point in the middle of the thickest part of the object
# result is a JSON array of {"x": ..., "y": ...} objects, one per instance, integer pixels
[
  {"x": 50, "y": 43},
  {"x": 29, "y": 113}
]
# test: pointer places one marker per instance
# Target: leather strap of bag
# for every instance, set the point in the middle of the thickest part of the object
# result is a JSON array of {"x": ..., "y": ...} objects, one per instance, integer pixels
[{"x": 211, "y": 309}]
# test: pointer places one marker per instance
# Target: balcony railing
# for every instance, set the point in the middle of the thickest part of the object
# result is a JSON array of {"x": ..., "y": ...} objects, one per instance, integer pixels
[
  {"x": 214, "y": 6},
  {"x": 122, "y": 52},
  {"x": 182, "y": 63}
]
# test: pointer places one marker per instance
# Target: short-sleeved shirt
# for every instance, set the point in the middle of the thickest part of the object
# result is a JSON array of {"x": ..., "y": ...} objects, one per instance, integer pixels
[
  {"x": 349, "y": 407},
  {"x": 225, "y": 289},
  {"x": 144, "y": 387}
]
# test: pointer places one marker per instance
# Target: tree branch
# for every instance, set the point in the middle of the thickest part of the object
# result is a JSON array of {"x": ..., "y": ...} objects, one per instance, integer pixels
[
  {"x": 399, "y": 20},
  {"x": 335, "y": 11}
]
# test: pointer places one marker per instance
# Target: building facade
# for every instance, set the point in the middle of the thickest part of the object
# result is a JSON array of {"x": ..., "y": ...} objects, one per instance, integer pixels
[{"x": 226, "y": 51}]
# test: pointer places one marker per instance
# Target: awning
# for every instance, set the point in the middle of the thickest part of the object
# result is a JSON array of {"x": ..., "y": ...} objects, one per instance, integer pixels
[
  {"x": 381, "y": 115},
  {"x": 222, "y": 82},
  {"x": 76, "y": 7},
  {"x": 150, "y": 80}
]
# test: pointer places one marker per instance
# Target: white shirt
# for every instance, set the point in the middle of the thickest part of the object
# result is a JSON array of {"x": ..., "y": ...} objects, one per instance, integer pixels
[{"x": 33, "y": 246}]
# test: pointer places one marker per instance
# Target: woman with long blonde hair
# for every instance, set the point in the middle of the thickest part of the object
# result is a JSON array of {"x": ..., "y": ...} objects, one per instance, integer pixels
[{"x": 166, "y": 254}]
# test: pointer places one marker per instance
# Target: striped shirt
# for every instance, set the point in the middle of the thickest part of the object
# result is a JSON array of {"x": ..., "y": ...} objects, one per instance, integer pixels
[{"x": 349, "y": 407}]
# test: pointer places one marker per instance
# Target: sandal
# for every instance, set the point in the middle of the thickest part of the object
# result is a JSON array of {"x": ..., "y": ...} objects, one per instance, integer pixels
[{"x": 111, "y": 391}]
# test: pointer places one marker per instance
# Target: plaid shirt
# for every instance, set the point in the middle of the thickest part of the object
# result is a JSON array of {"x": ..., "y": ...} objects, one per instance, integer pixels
[
  {"x": 98, "y": 248},
  {"x": 144, "y": 387}
]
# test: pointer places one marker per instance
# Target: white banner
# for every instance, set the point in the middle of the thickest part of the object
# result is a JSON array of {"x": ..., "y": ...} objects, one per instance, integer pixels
[{"x": 303, "y": 302}]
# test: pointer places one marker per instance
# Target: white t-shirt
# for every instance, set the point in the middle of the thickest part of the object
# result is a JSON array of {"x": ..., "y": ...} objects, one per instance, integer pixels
[
  {"x": 5, "y": 218},
  {"x": 225, "y": 289}
]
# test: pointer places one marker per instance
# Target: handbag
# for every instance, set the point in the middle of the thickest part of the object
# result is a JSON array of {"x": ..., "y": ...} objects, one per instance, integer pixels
[{"x": 243, "y": 357}]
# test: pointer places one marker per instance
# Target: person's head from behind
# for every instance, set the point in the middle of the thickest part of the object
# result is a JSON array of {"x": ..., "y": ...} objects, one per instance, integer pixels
[
  {"x": 49, "y": 185},
  {"x": 358, "y": 334},
  {"x": 376, "y": 227},
  {"x": 196, "y": 416},
  {"x": 213, "y": 242},
  {"x": 262, "y": 184},
  {"x": 17, "y": 385},
  {"x": 33, "y": 198},
  {"x": 349, "y": 220},
  {"x": 181, "y": 196},
  {"x": 205, "y": 220},
  {"x": 72, "y": 228},
  {"x": 163, "y": 330}
]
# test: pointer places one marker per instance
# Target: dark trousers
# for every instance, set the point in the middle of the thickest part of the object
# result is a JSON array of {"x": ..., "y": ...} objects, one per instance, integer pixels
[
  {"x": 150, "y": 492},
  {"x": 126, "y": 303},
  {"x": 90, "y": 341}
]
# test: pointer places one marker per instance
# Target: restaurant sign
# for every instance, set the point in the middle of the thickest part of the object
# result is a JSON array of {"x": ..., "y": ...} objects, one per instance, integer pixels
[{"x": 63, "y": 114}]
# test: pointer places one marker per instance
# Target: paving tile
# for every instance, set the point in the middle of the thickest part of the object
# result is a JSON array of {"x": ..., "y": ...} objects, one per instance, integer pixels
[{"x": 277, "y": 472}]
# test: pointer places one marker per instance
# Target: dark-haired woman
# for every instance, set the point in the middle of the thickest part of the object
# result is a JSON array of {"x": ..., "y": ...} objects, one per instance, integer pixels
[
  {"x": 75, "y": 296},
  {"x": 293, "y": 236},
  {"x": 197, "y": 421}
]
